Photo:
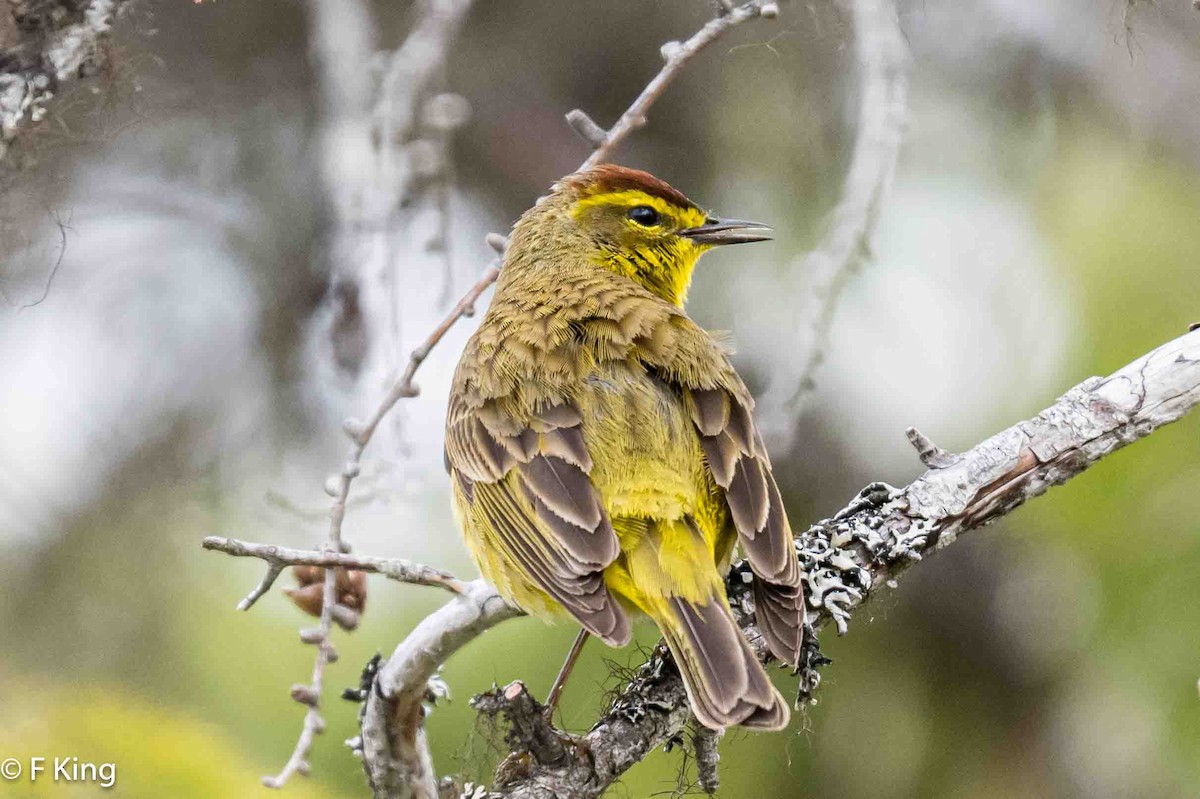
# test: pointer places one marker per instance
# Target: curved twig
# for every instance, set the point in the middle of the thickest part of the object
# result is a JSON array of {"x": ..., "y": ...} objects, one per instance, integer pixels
[
  {"x": 395, "y": 754},
  {"x": 883, "y": 61}
]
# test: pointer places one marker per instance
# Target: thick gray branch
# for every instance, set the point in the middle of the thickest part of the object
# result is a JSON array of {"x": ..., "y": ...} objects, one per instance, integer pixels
[
  {"x": 884, "y": 531},
  {"x": 395, "y": 754}
]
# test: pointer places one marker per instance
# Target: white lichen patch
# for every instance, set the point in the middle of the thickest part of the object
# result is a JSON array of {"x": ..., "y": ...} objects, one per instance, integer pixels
[
  {"x": 20, "y": 96},
  {"x": 15, "y": 99},
  {"x": 637, "y": 698},
  {"x": 73, "y": 51},
  {"x": 76, "y": 47},
  {"x": 436, "y": 688},
  {"x": 839, "y": 557},
  {"x": 473, "y": 791},
  {"x": 837, "y": 554}
]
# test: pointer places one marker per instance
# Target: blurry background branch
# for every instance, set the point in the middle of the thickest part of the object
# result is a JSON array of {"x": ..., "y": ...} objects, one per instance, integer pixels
[
  {"x": 847, "y": 559},
  {"x": 384, "y": 147},
  {"x": 883, "y": 62},
  {"x": 43, "y": 47},
  {"x": 368, "y": 127}
]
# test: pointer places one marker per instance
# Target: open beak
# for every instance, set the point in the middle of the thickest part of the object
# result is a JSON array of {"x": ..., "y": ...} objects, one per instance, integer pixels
[{"x": 728, "y": 231}]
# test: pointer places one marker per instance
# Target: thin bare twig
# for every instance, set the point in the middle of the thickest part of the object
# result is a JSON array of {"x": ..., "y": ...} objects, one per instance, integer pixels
[
  {"x": 678, "y": 55},
  {"x": 279, "y": 558},
  {"x": 63, "y": 228},
  {"x": 309, "y": 695}
]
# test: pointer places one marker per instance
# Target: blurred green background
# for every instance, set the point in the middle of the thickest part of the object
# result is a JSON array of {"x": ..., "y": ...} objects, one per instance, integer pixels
[{"x": 1044, "y": 227}]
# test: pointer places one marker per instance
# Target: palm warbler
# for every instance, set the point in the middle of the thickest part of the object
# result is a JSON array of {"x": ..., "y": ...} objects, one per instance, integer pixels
[{"x": 604, "y": 457}]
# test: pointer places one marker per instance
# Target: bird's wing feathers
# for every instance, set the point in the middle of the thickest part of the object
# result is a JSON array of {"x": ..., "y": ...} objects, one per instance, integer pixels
[
  {"x": 525, "y": 474},
  {"x": 527, "y": 488},
  {"x": 721, "y": 408},
  {"x": 739, "y": 464}
]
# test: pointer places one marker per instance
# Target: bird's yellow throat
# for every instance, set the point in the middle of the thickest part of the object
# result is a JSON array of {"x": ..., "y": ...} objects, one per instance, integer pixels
[{"x": 655, "y": 255}]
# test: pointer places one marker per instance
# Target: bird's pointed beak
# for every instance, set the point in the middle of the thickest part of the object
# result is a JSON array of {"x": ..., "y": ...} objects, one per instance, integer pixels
[{"x": 716, "y": 231}]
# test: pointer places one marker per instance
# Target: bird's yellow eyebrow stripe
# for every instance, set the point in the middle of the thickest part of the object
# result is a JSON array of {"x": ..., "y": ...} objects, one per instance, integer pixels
[{"x": 687, "y": 217}]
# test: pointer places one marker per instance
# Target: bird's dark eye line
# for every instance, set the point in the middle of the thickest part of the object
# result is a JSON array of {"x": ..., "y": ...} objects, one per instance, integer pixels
[{"x": 644, "y": 215}]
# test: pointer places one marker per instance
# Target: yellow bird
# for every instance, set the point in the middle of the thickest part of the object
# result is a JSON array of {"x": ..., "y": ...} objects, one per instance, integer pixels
[{"x": 604, "y": 457}]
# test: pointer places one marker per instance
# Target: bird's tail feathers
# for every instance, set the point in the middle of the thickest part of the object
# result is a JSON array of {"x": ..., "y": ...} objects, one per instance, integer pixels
[{"x": 726, "y": 684}]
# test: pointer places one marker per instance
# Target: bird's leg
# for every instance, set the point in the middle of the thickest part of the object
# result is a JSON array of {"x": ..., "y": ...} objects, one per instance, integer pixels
[{"x": 561, "y": 680}]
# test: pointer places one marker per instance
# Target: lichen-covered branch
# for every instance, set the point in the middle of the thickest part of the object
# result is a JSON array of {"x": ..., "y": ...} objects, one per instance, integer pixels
[
  {"x": 529, "y": 730},
  {"x": 882, "y": 532},
  {"x": 43, "y": 47},
  {"x": 706, "y": 744}
]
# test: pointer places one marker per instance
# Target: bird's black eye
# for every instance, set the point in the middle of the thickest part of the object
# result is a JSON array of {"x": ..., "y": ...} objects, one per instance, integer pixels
[{"x": 644, "y": 215}]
